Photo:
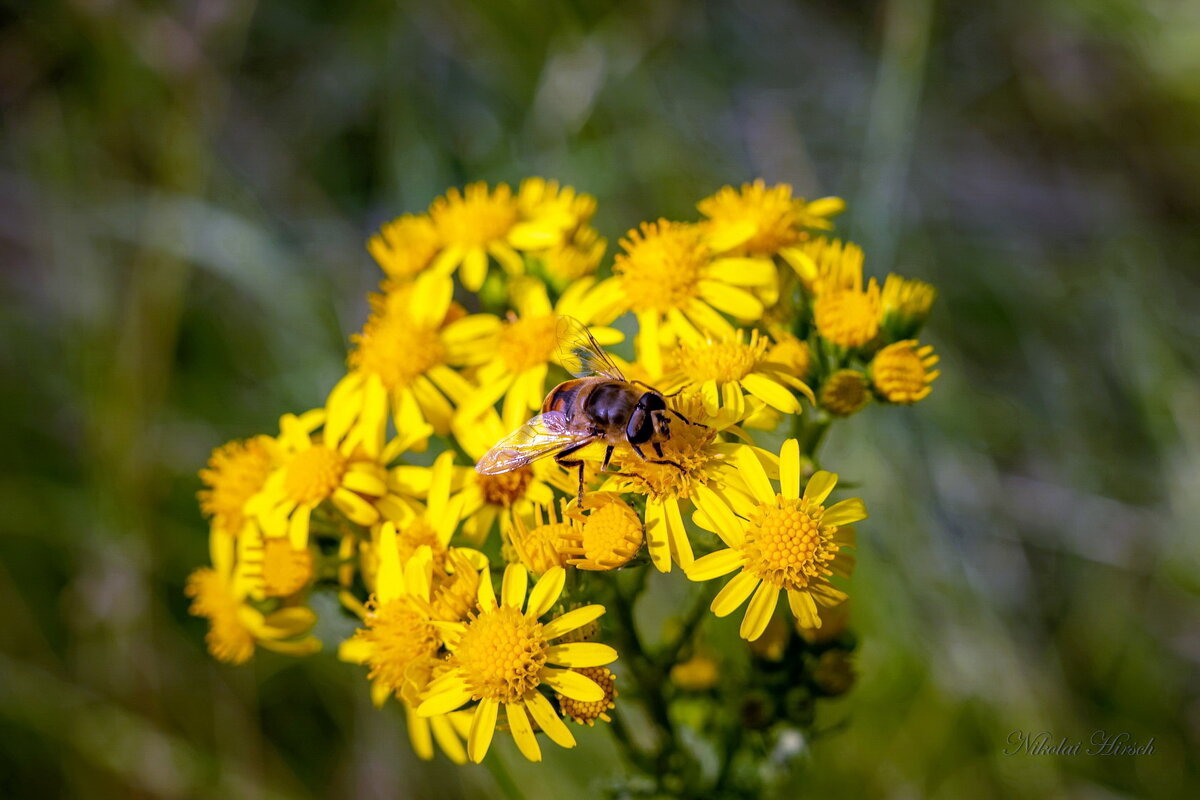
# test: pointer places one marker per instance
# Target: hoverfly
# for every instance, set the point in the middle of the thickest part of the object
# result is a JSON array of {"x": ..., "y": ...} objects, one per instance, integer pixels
[{"x": 599, "y": 404}]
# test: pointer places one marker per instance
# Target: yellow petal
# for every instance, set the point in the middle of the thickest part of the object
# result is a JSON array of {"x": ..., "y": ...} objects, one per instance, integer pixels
[
  {"x": 803, "y": 608},
  {"x": 548, "y": 720},
  {"x": 486, "y": 593},
  {"x": 483, "y": 727},
  {"x": 573, "y": 685},
  {"x": 734, "y": 594},
  {"x": 513, "y": 586},
  {"x": 789, "y": 469},
  {"x": 658, "y": 541},
  {"x": 418, "y": 734},
  {"x": 845, "y": 512},
  {"x": 728, "y": 527},
  {"x": 714, "y": 565},
  {"x": 522, "y": 731},
  {"x": 546, "y": 593},
  {"x": 762, "y": 606},
  {"x": 581, "y": 654},
  {"x": 730, "y": 299},
  {"x": 357, "y": 509},
  {"x": 448, "y": 699},
  {"x": 681, "y": 547},
  {"x": 819, "y": 486},
  {"x": 389, "y": 582},
  {"x": 743, "y": 271},
  {"x": 750, "y": 469},
  {"x": 447, "y": 739},
  {"x": 474, "y": 269},
  {"x": 773, "y": 394},
  {"x": 573, "y": 619}
]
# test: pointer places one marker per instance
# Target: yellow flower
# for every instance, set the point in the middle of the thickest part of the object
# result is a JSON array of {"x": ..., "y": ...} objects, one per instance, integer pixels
[
  {"x": 401, "y": 645},
  {"x": 606, "y": 537},
  {"x": 575, "y": 258},
  {"x": 405, "y": 247},
  {"x": 756, "y": 221},
  {"x": 777, "y": 541},
  {"x": 826, "y": 263},
  {"x": 273, "y": 568},
  {"x": 845, "y": 392},
  {"x": 672, "y": 279},
  {"x": 235, "y": 627},
  {"x": 502, "y": 656},
  {"x": 700, "y": 457},
  {"x": 792, "y": 352},
  {"x": 714, "y": 364},
  {"x": 409, "y": 345},
  {"x": 539, "y": 544},
  {"x": 341, "y": 465},
  {"x": 847, "y": 317},
  {"x": 906, "y": 303},
  {"x": 588, "y": 713},
  {"x": 236, "y": 472},
  {"x": 517, "y": 356},
  {"x": 478, "y": 223},
  {"x": 487, "y": 498},
  {"x": 902, "y": 372}
]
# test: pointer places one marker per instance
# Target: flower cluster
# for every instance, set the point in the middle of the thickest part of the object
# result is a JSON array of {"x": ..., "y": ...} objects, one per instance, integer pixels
[{"x": 748, "y": 324}]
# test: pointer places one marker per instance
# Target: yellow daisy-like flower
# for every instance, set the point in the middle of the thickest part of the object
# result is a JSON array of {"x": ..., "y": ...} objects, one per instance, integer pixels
[
  {"x": 273, "y": 568},
  {"x": 539, "y": 543},
  {"x": 670, "y": 276},
  {"x": 755, "y": 221},
  {"x": 476, "y": 224},
  {"x": 408, "y": 346},
  {"x": 845, "y": 392},
  {"x": 401, "y": 645},
  {"x": 405, "y": 247},
  {"x": 905, "y": 303},
  {"x": 236, "y": 472},
  {"x": 697, "y": 456},
  {"x": 487, "y": 498},
  {"x": 777, "y": 541},
  {"x": 339, "y": 464},
  {"x": 518, "y": 354},
  {"x": 588, "y": 713},
  {"x": 606, "y": 537},
  {"x": 792, "y": 352},
  {"x": 826, "y": 263},
  {"x": 847, "y": 317},
  {"x": 714, "y": 364},
  {"x": 502, "y": 656},
  {"x": 698, "y": 674},
  {"x": 235, "y": 627},
  {"x": 903, "y": 372},
  {"x": 575, "y": 258}
]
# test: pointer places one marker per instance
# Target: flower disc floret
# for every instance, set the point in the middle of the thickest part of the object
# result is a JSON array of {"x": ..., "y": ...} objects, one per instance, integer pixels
[
  {"x": 313, "y": 474},
  {"x": 502, "y": 654}
]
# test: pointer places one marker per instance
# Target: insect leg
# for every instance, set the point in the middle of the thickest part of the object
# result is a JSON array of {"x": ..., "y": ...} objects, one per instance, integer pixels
[
  {"x": 685, "y": 419},
  {"x": 575, "y": 462},
  {"x": 607, "y": 455},
  {"x": 642, "y": 456}
]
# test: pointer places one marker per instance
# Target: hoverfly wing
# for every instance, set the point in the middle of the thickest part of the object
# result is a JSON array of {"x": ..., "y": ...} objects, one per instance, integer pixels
[
  {"x": 581, "y": 354},
  {"x": 542, "y": 436}
]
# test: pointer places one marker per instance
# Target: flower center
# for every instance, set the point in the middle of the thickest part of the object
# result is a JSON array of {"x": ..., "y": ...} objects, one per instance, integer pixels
[
  {"x": 313, "y": 474},
  {"x": 786, "y": 544},
  {"x": 419, "y": 532},
  {"x": 527, "y": 343},
  {"x": 540, "y": 547},
  {"x": 848, "y": 317},
  {"x": 285, "y": 570},
  {"x": 501, "y": 654},
  {"x": 401, "y": 637},
  {"x": 235, "y": 473},
  {"x": 405, "y": 246},
  {"x": 476, "y": 218},
  {"x": 720, "y": 361},
  {"x": 609, "y": 535},
  {"x": 662, "y": 265},
  {"x": 507, "y": 487},
  {"x": 845, "y": 392},
  {"x": 588, "y": 713},
  {"x": 396, "y": 350}
]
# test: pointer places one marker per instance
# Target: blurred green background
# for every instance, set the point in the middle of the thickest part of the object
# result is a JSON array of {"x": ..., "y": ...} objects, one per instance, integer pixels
[{"x": 186, "y": 189}]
